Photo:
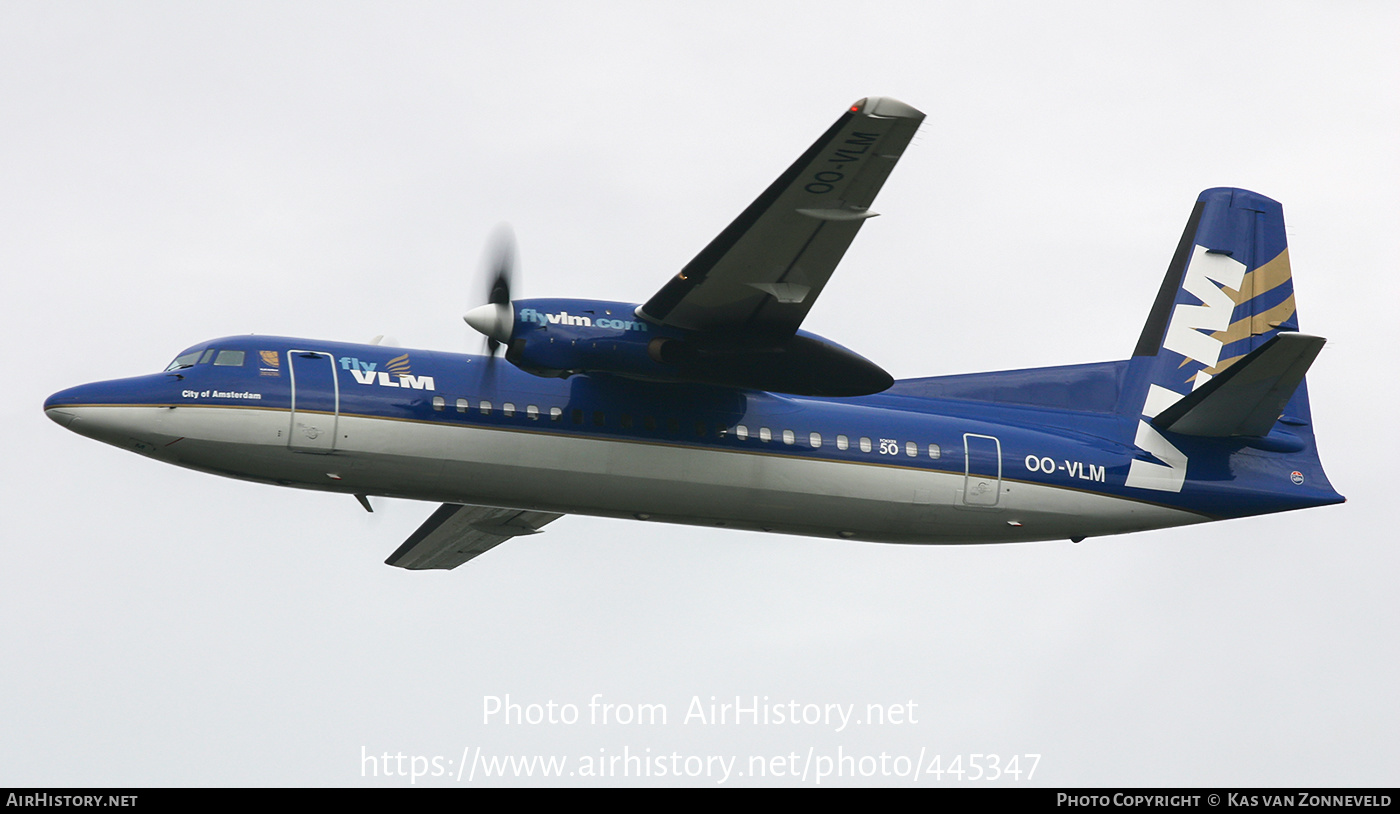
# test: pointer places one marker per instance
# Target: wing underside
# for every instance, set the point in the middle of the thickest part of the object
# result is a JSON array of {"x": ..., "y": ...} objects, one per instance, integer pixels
[
  {"x": 456, "y": 533},
  {"x": 761, "y": 275}
]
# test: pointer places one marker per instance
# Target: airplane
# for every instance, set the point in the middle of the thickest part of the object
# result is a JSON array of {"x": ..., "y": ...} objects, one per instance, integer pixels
[{"x": 708, "y": 405}]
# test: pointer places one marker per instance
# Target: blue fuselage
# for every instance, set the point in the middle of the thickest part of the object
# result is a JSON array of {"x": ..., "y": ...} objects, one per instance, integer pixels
[{"x": 895, "y": 467}]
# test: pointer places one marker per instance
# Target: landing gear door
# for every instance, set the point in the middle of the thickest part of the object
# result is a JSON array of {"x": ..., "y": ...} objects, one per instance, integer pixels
[
  {"x": 982, "y": 475},
  {"x": 315, "y": 401}
]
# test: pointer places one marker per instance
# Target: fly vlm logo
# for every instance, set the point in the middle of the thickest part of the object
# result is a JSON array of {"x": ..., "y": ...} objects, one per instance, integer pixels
[
  {"x": 1205, "y": 274},
  {"x": 396, "y": 373},
  {"x": 565, "y": 318}
]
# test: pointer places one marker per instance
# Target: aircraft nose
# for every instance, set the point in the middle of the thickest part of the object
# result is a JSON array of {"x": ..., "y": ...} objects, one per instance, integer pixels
[
  {"x": 124, "y": 412},
  {"x": 54, "y": 406}
]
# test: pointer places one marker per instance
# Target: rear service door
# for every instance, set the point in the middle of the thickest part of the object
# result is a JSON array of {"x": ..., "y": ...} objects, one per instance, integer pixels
[{"x": 982, "y": 475}]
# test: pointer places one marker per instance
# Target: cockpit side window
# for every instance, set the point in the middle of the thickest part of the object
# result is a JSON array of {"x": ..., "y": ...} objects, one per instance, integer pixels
[
  {"x": 209, "y": 354},
  {"x": 184, "y": 360},
  {"x": 229, "y": 358}
]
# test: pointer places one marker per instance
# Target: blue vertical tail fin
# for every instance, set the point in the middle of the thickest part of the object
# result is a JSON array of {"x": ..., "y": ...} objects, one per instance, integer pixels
[
  {"x": 1229, "y": 290},
  {"x": 1220, "y": 356}
]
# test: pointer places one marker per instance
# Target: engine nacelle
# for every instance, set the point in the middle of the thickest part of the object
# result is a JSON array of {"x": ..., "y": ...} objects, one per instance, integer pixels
[{"x": 557, "y": 337}]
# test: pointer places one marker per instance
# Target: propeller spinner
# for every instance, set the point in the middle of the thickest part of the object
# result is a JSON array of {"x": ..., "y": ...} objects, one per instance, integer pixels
[{"x": 496, "y": 318}]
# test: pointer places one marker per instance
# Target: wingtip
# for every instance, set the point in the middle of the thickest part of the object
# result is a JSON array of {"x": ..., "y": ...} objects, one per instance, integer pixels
[{"x": 886, "y": 108}]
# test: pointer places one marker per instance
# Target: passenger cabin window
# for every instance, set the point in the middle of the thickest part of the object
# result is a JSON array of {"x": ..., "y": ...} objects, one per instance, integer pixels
[
  {"x": 462, "y": 405},
  {"x": 765, "y": 435},
  {"x": 556, "y": 413},
  {"x": 741, "y": 432},
  {"x": 789, "y": 437},
  {"x": 508, "y": 410},
  {"x": 532, "y": 412},
  {"x": 911, "y": 449},
  {"x": 864, "y": 444},
  {"x": 842, "y": 442},
  {"x": 229, "y": 358},
  {"x": 934, "y": 451},
  {"x": 485, "y": 407},
  {"x": 815, "y": 439},
  {"x": 439, "y": 402}
]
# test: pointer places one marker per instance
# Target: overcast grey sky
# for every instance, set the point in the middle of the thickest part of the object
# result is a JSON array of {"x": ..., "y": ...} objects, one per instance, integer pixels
[{"x": 173, "y": 172}]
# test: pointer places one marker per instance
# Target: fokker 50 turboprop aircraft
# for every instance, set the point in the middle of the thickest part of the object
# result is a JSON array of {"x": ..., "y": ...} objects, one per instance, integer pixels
[{"x": 708, "y": 405}]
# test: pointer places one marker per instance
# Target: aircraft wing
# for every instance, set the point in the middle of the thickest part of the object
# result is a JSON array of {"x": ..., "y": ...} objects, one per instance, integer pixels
[
  {"x": 762, "y": 274},
  {"x": 456, "y": 533}
]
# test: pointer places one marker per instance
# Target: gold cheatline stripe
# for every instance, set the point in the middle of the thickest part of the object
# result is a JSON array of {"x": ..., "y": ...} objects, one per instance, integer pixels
[
  {"x": 1256, "y": 283},
  {"x": 1263, "y": 279},
  {"x": 1253, "y": 325}
]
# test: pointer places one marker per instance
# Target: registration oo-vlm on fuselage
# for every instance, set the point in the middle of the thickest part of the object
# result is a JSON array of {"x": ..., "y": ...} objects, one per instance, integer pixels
[{"x": 708, "y": 405}]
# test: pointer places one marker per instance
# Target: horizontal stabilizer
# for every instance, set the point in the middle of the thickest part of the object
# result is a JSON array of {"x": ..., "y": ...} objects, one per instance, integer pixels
[
  {"x": 1248, "y": 396},
  {"x": 456, "y": 533}
]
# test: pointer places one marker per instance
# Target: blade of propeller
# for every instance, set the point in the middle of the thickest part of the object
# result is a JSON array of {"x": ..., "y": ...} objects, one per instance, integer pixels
[{"x": 499, "y": 268}]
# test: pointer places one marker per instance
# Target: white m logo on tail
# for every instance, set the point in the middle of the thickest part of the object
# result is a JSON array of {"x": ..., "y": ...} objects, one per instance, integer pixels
[
  {"x": 1213, "y": 314},
  {"x": 1184, "y": 336},
  {"x": 1168, "y": 476}
]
